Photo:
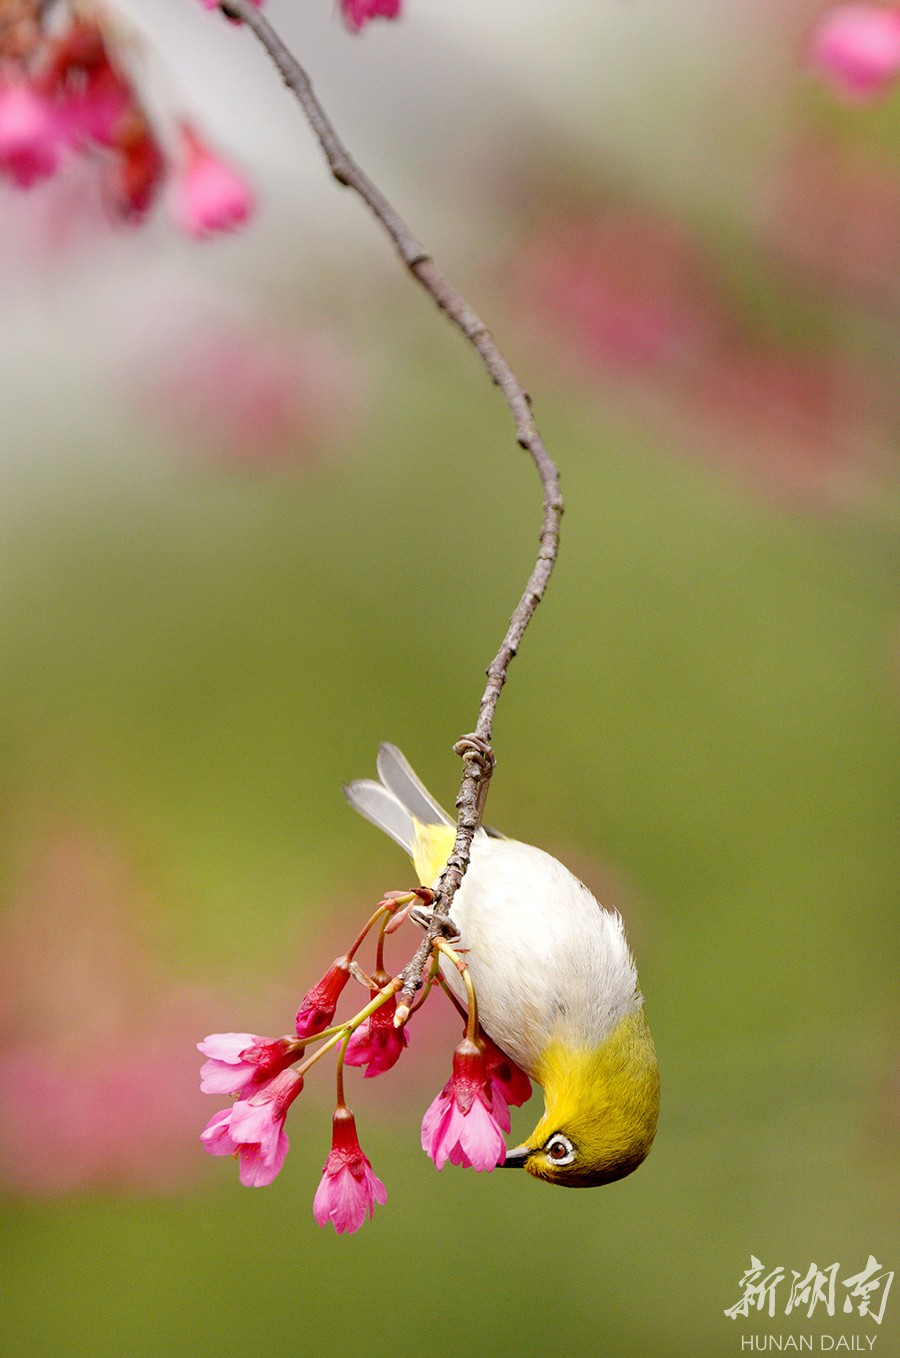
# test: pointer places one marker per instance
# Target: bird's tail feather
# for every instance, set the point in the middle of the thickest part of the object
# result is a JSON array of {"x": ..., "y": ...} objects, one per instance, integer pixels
[
  {"x": 399, "y": 803},
  {"x": 397, "y": 776},
  {"x": 384, "y": 811}
]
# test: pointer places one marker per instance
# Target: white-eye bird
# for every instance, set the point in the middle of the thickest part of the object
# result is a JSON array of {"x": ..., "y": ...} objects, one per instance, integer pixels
[{"x": 554, "y": 979}]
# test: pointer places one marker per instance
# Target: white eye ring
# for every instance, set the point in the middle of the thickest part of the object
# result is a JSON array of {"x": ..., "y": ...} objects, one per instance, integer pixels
[{"x": 559, "y": 1150}]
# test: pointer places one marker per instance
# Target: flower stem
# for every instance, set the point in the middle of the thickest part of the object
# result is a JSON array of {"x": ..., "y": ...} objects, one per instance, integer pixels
[
  {"x": 340, "y": 1072},
  {"x": 361, "y": 936},
  {"x": 433, "y": 976},
  {"x": 379, "y": 950},
  {"x": 454, "y": 1000},
  {"x": 454, "y": 957}
]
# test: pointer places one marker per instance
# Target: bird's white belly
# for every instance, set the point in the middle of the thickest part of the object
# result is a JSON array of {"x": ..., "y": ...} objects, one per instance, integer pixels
[{"x": 547, "y": 961}]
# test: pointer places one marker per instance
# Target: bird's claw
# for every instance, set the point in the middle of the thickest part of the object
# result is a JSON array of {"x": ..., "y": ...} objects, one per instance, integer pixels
[
  {"x": 423, "y": 916},
  {"x": 475, "y": 748},
  {"x": 363, "y": 977},
  {"x": 479, "y": 751}
]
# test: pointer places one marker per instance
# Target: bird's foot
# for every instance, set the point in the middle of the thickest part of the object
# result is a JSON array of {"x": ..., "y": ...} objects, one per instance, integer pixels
[
  {"x": 480, "y": 750},
  {"x": 423, "y": 916},
  {"x": 363, "y": 977}
]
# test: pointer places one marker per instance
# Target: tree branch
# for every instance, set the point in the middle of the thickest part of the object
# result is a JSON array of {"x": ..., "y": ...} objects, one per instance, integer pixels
[{"x": 475, "y": 749}]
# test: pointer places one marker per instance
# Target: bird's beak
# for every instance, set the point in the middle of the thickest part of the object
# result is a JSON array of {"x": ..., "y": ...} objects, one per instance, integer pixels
[{"x": 515, "y": 1159}]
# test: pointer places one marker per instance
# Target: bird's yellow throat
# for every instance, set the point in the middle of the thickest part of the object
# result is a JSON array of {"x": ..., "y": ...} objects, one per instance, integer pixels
[{"x": 606, "y": 1099}]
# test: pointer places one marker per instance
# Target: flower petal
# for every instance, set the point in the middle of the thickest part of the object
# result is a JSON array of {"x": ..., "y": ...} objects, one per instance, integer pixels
[
  {"x": 227, "y": 1046},
  {"x": 258, "y": 1170}
]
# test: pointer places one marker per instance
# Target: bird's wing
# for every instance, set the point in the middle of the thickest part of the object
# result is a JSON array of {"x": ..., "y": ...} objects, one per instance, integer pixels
[
  {"x": 382, "y": 808},
  {"x": 403, "y": 807},
  {"x": 397, "y": 776}
]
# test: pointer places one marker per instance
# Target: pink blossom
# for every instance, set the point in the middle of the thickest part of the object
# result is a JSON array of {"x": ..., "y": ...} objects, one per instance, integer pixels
[
  {"x": 318, "y": 1004},
  {"x": 510, "y": 1086},
  {"x": 377, "y": 1044},
  {"x": 461, "y": 1125},
  {"x": 253, "y": 1129},
  {"x": 240, "y": 1062},
  {"x": 97, "y": 110},
  {"x": 357, "y": 13},
  {"x": 856, "y": 50},
  {"x": 29, "y": 135},
  {"x": 208, "y": 195},
  {"x": 348, "y": 1190},
  {"x": 97, "y": 1068}
]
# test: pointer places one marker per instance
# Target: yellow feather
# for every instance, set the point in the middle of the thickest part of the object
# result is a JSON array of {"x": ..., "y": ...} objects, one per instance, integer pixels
[
  {"x": 606, "y": 1101},
  {"x": 432, "y": 847}
]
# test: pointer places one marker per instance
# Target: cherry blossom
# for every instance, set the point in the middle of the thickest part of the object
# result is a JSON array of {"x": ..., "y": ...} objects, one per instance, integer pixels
[
  {"x": 349, "y": 1189},
  {"x": 357, "y": 13},
  {"x": 377, "y": 1044},
  {"x": 461, "y": 1125},
  {"x": 240, "y": 1062},
  {"x": 253, "y": 1129},
  {"x": 208, "y": 194}
]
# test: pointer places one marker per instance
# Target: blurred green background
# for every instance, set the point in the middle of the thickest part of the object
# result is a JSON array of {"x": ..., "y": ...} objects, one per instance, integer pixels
[{"x": 201, "y": 643}]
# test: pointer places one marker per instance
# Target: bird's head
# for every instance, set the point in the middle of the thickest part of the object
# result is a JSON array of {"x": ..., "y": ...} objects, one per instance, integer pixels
[{"x": 601, "y": 1107}]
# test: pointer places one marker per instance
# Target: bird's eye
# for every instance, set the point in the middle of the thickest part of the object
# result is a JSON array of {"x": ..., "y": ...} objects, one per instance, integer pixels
[{"x": 560, "y": 1150}]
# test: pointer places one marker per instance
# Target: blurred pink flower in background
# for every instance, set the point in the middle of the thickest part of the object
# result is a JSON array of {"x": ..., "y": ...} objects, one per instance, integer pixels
[
  {"x": 631, "y": 306},
  {"x": 627, "y": 289},
  {"x": 65, "y": 91},
  {"x": 855, "y": 49},
  {"x": 99, "y": 104},
  {"x": 71, "y": 90},
  {"x": 208, "y": 195},
  {"x": 793, "y": 424},
  {"x": 832, "y": 212},
  {"x": 97, "y": 1057},
  {"x": 358, "y": 13},
  {"x": 56, "y": 230},
  {"x": 244, "y": 394},
  {"x": 29, "y": 134}
]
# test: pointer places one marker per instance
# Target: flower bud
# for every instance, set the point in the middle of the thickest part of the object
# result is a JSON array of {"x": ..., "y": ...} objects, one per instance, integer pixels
[
  {"x": 209, "y": 196},
  {"x": 318, "y": 1005}
]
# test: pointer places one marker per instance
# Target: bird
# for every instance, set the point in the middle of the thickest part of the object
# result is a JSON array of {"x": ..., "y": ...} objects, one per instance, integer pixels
[{"x": 554, "y": 979}]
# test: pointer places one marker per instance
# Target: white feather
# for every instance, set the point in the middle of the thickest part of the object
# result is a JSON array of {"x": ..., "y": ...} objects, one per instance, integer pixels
[
  {"x": 398, "y": 777},
  {"x": 547, "y": 961},
  {"x": 383, "y": 809}
]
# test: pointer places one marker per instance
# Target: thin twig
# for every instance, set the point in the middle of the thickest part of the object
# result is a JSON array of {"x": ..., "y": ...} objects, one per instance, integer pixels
[{"x": 475, "y": 749}]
